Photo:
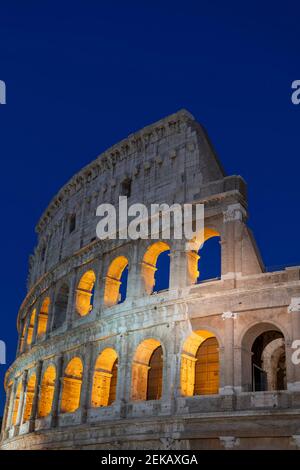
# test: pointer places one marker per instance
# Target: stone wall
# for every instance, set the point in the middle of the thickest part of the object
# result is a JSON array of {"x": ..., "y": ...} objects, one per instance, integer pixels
[{"x": 72, "y": 329}]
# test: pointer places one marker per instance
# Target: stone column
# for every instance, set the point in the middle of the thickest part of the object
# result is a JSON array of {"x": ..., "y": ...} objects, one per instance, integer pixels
[
  {"x": 71, "y": 308},
  {"x": 35, "y": 400},
  {"x": 231, "y": 244},
  {"x": 183, "y": 268},
  {"x": 50, "y": 313},
  {"x": 98, "y": 289},
  {"x": 135, "y": 288},
  {"x": 12, "y": 404},
  {"x": 123, "y": 368},
  {"x": 22, "y": 401},
  {"x": 293, "y": 369},
  {"x": 8, "y": 405},
  {"x": 87, "y": 380},
  {"x": 57, "y": 391},
  {"x": 227, "y": 362},
  {"x": 36, "y": 321}
]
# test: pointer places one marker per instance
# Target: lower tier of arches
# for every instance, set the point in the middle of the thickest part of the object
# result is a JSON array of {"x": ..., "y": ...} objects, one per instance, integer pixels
[{"x": 267, "y": 428}]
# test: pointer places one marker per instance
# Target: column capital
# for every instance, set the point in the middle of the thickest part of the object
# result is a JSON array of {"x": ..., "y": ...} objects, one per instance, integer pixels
[
  {"x": 229, "y": 314},
  {"x": 294, "y": 305},
  {"x": 229, "y": 442},
  {"x": 234, "y": 212}
]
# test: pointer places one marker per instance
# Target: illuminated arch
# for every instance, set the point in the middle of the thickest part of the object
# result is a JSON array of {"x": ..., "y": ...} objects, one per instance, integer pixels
[
  {"x": 71, "y": 388},
  {"x": 43, "y": 317},
  {"x": 193, "y": 256},
  {"x": 30, "y": 389},
  {"x": 105, "y": 378},
  {"x": 199, "y": 373},
  {"x": 113, "y": 280},
  {"x": 16, "y": 403},
  {"x": 147, "y": 371},
  {"x": 31, "y": 327},
  {"x": 84, "y": 293},
  {"x": 149, "y": 264},
  {"x": 47, "y": 392}
]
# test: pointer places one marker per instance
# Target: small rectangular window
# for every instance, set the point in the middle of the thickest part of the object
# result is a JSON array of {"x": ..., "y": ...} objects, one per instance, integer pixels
[
  {"x": 43, "y": 253},
  {"x": 126, "y": 188},
  {"x": 72, "y": 225}
]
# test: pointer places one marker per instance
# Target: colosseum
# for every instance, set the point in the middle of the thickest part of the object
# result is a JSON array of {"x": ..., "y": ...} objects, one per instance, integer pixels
[{"x": 107, "y": 360}]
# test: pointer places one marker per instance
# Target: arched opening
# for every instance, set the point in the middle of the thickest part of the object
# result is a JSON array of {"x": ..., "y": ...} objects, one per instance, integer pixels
[
  {"x": 43, "y": 317},
  {"x": 31, "y": 327},
  {"x": 60, "y": 306},
  {"x": 16, "y": 404},
  {"x": 115, "y": 282},
  {"x": 209, "y": 256},
  {"x": 263, "y": 358},
  {"x": 209, "y": 262},
  {"x": 204, "y": 262},
  {"x": 156, "y": 267},
  {"x": 47, "y": 392},
  {"x": 30, "y": 389},
  {"x": 71, "y": 388},
  {"x": 268, "y": 362},
  {"x": 147, "y": 371},
  {"x": 105, "y": 378},
  {"x": 123, "y": 285},
  {"x": 85, "y": 293},
  {"x": 200, "y": 364}
]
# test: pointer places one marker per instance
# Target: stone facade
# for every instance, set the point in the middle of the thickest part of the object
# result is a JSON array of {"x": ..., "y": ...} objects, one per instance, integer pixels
[{"x": 82, "y": 379}]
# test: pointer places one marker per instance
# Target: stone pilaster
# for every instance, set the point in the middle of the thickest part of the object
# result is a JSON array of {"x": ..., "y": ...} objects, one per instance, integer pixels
[
  {"x": 8, "y": 405},
  {"x": 87, "y": 380},
  {"x": 183, "y": 268},
  {"x": 233, "y": 218},
  {"x": 50, "y": 313},
  {"x": 57, "y": 391},
  {"x": 123, "y": 368},
  {"x": 227, "y": 362},
  {"x": 293, "y": 369},
  {"x": 35, "y": 400},
  {"x": 135, "y": 288},
  {"x": 71, "y": 308},
  {"x": 22, "y": 401}
]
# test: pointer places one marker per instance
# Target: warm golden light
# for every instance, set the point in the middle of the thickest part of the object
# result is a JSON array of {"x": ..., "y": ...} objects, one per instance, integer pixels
[
  {"x": 71, "y": 388},
  {"x": 200, "y": 364},
  {"x": 84, "y": 293},
  {"x": 16, "y": 404},
  {"x": 140, "y": 387},
  {"x": 31, "y": 327},
  {"x": 47, "y": 392},
  {"x": 149, "y": 264},
  {"x": 30, "y": 389},
  {"x": 43, "y": 317},
  {"x": 193, "y": 257},
  {"x": 112, "y": 281},
  {"x": 105, "y": 378}
]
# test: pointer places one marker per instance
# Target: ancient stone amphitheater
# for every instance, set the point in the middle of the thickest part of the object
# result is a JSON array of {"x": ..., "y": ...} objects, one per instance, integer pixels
[{"x": 106, "y": 361}]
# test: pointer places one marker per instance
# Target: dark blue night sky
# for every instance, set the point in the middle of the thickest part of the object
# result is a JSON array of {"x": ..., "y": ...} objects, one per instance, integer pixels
[{"x": 82, "y": 75}]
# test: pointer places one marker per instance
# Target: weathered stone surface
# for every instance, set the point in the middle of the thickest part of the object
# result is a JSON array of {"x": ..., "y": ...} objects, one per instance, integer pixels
[{"x": 169, "y": 161}]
